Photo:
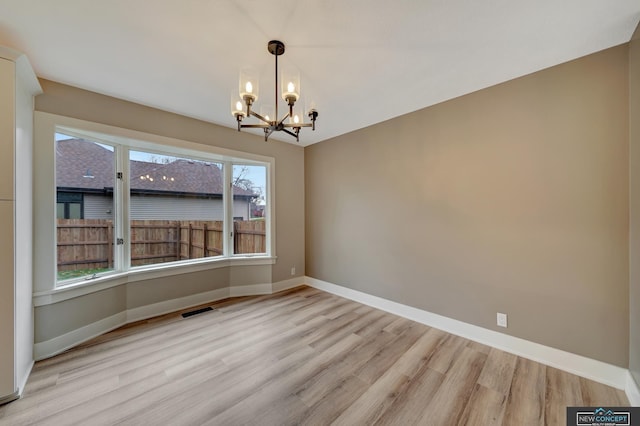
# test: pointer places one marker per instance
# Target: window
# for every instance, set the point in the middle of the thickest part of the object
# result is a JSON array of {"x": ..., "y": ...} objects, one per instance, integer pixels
[
  {"x": 124, "y": 205},
  {"x": 249, "y": 208},
  {"x": 69, "y": 205},
  {"x": 85, "y": 174},
  {"x": 176, "y": 208}
]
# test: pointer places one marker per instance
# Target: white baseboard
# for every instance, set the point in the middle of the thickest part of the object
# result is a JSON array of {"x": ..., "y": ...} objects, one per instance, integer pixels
[
  {"x": 585, "y": 367},
  {"x": 598, "y": 371},
  {"x": 249, "y": 290},
  {"x": 288, "y": 284},
  {"x": 23, "y": 382},
  {"x": 167, "y": 306},
  {"x": 633, "y": 391},
  {"x": 68, "y": 340}
]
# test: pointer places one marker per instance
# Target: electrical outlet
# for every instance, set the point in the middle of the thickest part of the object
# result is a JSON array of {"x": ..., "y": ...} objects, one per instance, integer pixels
[
  {"x": 502, "y": 320},
  {"x": 293, "y": 270}
]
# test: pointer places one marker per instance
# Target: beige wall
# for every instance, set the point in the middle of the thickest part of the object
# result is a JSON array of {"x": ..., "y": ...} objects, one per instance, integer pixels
[
  {"x": 59, "y": 318},
  {"x": 56, "y": 319},
  {"x": 634, "y": 199},
  {"x": 517, "y": 200},
  {"x": 158, "y": 290}
]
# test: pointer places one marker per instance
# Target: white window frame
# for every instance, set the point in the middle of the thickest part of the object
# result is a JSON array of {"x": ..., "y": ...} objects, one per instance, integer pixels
[{"x": 125, "y": 140}]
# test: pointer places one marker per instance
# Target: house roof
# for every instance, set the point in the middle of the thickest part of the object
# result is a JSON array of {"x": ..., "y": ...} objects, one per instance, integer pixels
[{"x": 89, "y": 166}]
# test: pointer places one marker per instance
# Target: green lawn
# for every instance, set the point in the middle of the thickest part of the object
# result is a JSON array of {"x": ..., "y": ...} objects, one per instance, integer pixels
[{"x": 66, "y": 275}]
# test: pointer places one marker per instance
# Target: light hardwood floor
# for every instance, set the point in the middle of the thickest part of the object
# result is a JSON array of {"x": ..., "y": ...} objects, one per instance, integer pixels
[{"x": 296, "y": 357}]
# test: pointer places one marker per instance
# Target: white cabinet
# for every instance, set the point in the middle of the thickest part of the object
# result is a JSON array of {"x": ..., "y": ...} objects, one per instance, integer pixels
[{"x": 18, "y": 86}]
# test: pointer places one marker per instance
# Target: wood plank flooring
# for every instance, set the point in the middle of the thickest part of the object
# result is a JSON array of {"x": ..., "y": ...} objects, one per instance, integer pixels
[{"x": 296, "y": 357}]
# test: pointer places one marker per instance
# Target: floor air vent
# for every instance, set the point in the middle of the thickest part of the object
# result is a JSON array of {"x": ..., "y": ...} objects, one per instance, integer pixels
[{"x": 196, "y": 312}]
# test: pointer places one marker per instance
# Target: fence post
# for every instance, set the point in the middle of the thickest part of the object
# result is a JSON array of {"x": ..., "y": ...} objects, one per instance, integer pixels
[
  {"x": 109, "y": 245},
  {"x": 178, "y": 238},
  {"x": 205, "y": 231},
  {"x": 236, "y": 238},
  {"x": 190, "y": 251}
]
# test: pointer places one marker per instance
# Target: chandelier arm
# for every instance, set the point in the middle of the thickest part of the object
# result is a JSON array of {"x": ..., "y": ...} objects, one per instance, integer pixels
[
  {"x": 281, "y": 122},
  {"x": 290, "y": 132},
  {"x": 268, "y": 133},
  {"x": 293, "y": 126},
  {"x": 258, "y": 116},
  {"x": 255, "y": 126}
]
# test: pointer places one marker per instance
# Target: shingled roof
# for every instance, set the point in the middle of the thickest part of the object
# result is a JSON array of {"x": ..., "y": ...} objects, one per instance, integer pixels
[{"x": 89, "y": 167}]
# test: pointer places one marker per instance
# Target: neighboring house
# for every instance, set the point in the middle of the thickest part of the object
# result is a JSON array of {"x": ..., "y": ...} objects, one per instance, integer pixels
[{"x": 178, "y": 190}]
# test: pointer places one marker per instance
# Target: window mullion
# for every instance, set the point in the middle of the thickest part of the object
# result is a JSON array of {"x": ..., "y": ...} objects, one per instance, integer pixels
[
  {"x": 122, "y": 208},
  {"x": 227, "y": 197}
]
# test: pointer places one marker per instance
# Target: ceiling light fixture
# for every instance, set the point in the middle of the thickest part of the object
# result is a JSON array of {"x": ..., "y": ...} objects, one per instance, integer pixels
[{"x": 248, "y": 94}]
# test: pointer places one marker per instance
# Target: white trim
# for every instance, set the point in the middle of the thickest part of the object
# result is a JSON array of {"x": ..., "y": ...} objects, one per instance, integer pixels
[
  {"x": 249, "y": 290},
  {"x": 167, "y": 306},
  {"x": 287, "y": 284},
  {"x": 25, "y": 379},
  {"x": 185, "y": 267},
  {"x": 24, "y": 69},
  {"x": 68, "y": 340},
  {"x": 632, "y": 390},
  {"x": 60, "y": 294},
  {"x": 102, "y": 283},
  {"x": 598, "y": 371}
]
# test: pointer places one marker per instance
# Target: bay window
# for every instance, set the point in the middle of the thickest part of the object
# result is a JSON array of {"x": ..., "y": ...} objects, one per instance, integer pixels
[{"x": 129, "y": 205}]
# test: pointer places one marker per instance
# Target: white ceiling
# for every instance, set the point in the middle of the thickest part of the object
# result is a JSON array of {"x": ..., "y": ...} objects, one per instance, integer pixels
[{"x": 361, "y": 61}]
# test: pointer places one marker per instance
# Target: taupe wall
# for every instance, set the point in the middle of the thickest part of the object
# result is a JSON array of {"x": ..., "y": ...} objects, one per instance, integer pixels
[
  {"x": 511, "y": 199},
  {"x": 59, "y": 318},
  {"x": 634, "y": 198},
  {"x": 56, "y": 319}
]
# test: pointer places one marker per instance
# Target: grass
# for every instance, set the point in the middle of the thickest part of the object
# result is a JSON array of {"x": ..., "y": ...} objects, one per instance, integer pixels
[{"x": 67, "y": 275}]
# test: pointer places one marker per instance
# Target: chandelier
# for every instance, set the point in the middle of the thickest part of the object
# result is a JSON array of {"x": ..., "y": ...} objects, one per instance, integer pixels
[{"x": 292, "y": 122}]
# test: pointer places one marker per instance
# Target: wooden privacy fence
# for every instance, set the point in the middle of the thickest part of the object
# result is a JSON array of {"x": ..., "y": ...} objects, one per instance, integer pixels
[{"x": 88, "y": 243}]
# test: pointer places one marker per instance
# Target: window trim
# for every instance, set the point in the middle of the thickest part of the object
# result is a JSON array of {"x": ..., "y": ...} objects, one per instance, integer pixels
[
  {"x": 48, "y": 124},
  {"x": 80, "y": 288}
]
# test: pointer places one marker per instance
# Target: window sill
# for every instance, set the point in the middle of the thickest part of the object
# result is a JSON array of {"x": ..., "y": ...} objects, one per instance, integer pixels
[{"x": 80, "y": 288}]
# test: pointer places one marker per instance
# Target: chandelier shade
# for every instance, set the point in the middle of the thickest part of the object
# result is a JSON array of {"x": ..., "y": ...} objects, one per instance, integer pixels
[
  {"x": 243, "y": 102},
  {"x": 290, "y": 86},
  {"x": 249, "y": 85}
]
